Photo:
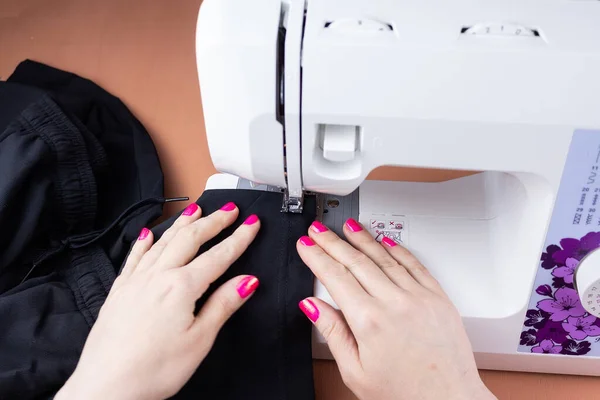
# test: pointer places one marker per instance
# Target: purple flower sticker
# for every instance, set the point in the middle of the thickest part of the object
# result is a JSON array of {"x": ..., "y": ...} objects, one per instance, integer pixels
[
  {"x": 581, "y": 327},
  {"x": 560, "y": 282},
  {"x": 567, "y": 271},
  {"x": 573, "y": 348},
  {"x": 558, "y": 323},
  {"x": 552, "y": 330},
  {"x": 547, "y": 259},
  {"x": 547, "y": 346},
  {"x": 544, "y": 290},
  {"x": 576, "y": 248},
  {"x": 528, "y": 338},
  {"x": 536, "y": 318},
  {"x": 564, "y": 304}
]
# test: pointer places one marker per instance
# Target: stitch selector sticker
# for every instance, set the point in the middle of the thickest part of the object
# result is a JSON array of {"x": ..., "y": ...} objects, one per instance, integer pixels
[{"x": 556, "y": 321}]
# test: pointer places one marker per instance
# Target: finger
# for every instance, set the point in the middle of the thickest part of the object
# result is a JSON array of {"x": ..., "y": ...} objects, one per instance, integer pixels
[
  {"x": 191, "y": 213},
  {"x": 340, "y": 283},
  {"x": 334, "y": 329},
  {"x": 363, "y": 241},
  {"x": 140, "y": 247},
  {"x": 221, "y": 305},
  {"x": 212, "y": 264},
  {"x": 414, "y": 267},
  {"x": 188, "y": 239},
  {"x": 367, "y": 273}
]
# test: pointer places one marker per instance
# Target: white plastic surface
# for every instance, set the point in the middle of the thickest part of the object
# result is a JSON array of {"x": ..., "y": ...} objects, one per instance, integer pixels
[
  {"x": 469, "y": 233},
  {"x": 429, "y": 96},
  {"x": 236, "y": 48},
  {"x": 339, "y": 142}
]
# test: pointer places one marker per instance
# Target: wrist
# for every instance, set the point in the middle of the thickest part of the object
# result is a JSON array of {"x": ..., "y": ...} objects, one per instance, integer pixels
[
  {"x": 475, "y": 391},
  {"x": 78, "y": 387}
]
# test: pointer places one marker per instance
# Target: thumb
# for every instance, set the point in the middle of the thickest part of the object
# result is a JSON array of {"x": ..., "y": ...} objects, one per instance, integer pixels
[
  {"x": 332, "y": 325},
  {"x": 221, "y": 305}
]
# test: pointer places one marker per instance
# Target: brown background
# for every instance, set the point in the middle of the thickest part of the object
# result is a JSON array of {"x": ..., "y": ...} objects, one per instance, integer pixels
[{"x": 143, "y": 52}]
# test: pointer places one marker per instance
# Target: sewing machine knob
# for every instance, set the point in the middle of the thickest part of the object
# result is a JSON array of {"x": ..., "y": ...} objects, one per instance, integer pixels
[
  {"x": 358, "y": 25},
  {"x": 587, "y": 282},
  {"x": 498, "y": 29}
]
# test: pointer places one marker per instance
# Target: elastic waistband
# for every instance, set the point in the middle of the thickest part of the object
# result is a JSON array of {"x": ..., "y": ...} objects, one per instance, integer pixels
[
  {"x": 90, "y": 276},
  {"x": 75, "y": 190}
]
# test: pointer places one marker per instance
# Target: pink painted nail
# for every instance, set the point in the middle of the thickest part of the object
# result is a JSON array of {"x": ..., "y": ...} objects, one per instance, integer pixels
[
  {"x": 388, "y": 242},
  {"x": 247, "y": 286},
  {"x": 228, "y": 207},
  {"x": 309, "y": 309},
  {"x": 353, "y": 225},
  {"x": 144, "y": 234},
  {"x": 305, "y": 240},
  {"x": 251, "y": 220},
  {"x": 190, "y": 210},
  {"x": 318, "y": 227}
]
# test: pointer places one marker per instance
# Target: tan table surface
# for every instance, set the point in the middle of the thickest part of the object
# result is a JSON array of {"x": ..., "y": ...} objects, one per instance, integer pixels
[{"x": 143, "y": 52}]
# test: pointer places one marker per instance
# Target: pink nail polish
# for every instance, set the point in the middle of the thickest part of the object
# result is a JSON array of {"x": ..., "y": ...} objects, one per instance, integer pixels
[
  {"x": 353, "y": 225},
  {"x": 228, "y": 207},
  {"x": 309, "y": 309},
  {"x": 190, "y": 210},
  {"x": 388, "y": 242},
  {"x": 251, "y": 220},
  {"x": 305, "y": 240},
  {"x": 144, "y": 234},
  {"x": 318, "y": 227},
  {"x": 247, "y": 286}
]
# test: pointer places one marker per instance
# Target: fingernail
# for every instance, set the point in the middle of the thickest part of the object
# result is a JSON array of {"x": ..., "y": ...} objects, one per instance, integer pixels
[
  {"x": 353, "y": 225},
  {"x": 305, "y": 240},
  {"x": 144, "y": 234},
  {"x": 251, "y": 220},
  {"x": 318, "y": 227},
  {"x": 247, "y": 286},
  {"x": 309, "y": 309},
  {"x": 189, "y": 210},
  {"x": 388, "y": 242},
  {"x": 228, "y": 207}
]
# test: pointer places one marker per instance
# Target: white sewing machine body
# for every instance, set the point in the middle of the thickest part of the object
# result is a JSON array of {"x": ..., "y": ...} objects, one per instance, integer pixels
[{"x": 313, "y": 95}]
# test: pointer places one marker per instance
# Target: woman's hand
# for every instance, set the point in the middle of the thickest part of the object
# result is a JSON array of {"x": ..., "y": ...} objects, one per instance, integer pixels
[
  {"x": 397, "y": 336},
  {"x": 147, "y": 342}
]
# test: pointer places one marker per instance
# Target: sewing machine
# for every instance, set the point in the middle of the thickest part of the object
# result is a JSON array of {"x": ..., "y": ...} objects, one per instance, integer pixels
[{"x": 311, "y": 96}]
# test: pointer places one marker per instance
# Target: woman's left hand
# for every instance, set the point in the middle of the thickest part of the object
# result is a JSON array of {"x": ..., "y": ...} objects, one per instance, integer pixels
[{"x": 147, "y": 342}]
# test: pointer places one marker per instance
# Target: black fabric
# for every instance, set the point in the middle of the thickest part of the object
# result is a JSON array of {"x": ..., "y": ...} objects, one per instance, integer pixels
[
  {"x": 45, "y": 322},
  {"x": 79, "y": 178},
  {"x": 127, "y": 164},
  {"x": 72, "y": 159},
  {"x": 264, "y": 350}
]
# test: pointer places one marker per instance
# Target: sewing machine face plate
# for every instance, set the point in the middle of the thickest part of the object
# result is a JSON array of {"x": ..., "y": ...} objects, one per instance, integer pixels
[{"x": 556, "y": 321}]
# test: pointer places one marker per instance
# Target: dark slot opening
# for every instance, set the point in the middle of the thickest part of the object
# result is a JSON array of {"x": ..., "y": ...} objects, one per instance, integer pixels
[{"x": 280, "y": 109}]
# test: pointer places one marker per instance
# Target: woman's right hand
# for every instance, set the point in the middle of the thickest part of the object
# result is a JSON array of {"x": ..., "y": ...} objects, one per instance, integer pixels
[{"x": 397, "y": 335}]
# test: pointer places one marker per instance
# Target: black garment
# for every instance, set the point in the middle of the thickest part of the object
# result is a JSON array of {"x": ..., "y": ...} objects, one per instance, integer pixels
[
  {"x": 127, "y": 168},
  {"x": 72, "y": 160},
  {"x": 264, "y": 351},
  {"x": 45, "y": 321}
]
